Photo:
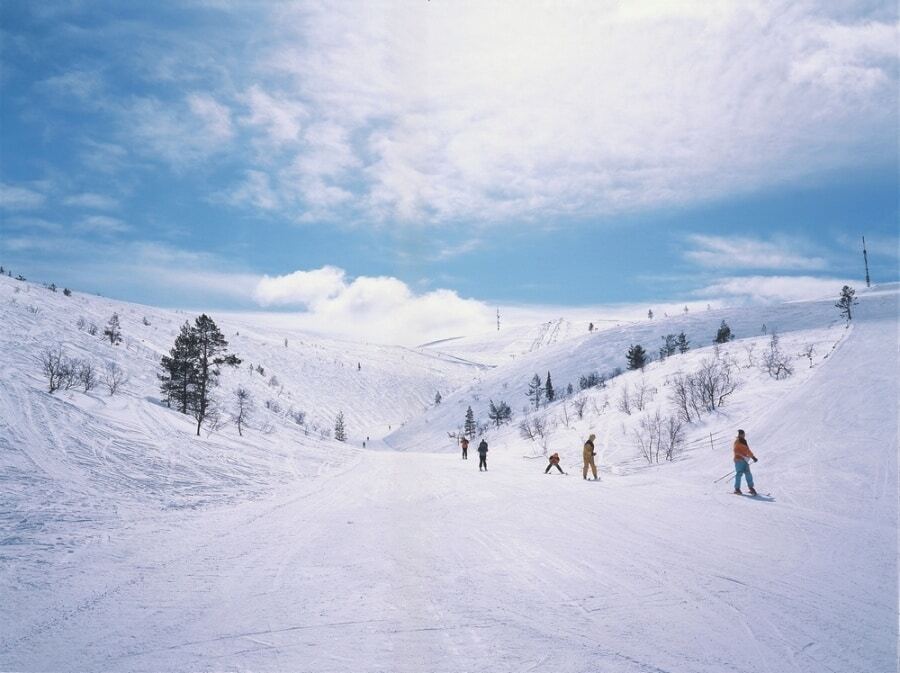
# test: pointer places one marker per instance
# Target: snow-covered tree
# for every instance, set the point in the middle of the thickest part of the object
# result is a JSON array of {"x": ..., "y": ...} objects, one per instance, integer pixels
[
  {"x": 437, "y": 398},
  {"x": 470, "y": 427},
  {"x": 636, "y": 357},
  {"x": 723, "y": 335},
  {"x": 179, "y": 378},
  {"x": 535, "y": 391},
  {"x": 499, "y": 413},
  {"x": 682, "y": 343},
  {"x": 846, "y": 302},
  {"x": 114, "y": 377},
  {"x": 112, "y": 330},
  {"x": 548, "y": 389},
  {"x": 340, "y": 432}
]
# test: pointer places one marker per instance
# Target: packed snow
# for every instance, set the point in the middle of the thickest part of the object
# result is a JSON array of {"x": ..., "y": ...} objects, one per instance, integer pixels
[{"x": 128, "y": 543}]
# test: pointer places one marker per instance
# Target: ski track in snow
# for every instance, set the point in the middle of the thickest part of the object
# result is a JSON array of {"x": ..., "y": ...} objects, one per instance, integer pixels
[{"x": 129, "y": 545}]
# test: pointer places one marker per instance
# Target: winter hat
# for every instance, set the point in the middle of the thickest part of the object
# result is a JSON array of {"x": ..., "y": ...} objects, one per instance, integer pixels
[
  {"x": 592, "y": 436},
  {"x": 740, "y": 433}
]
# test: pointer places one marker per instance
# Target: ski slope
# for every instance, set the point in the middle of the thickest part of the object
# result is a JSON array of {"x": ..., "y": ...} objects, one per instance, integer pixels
[{"x": 130, "y": 545}]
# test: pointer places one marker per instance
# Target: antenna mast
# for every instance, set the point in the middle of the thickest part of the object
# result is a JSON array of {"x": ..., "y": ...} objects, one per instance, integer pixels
[{"x": 866, "y": 260}]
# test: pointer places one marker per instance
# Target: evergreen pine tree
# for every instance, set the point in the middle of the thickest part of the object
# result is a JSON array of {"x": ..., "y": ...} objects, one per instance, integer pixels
[
  {"x": 636, "y": 357},
  {"x": 179, "y": 378},
  {"x": 499, "y": 413},
  {"x": 846, "y": 301},
  {"x": 723, "y": 335},
  {"x": 210, "y": 353},
  {"x": 683, "y": 344},
  {"x": 340, "y": 433},
  {"x": 548, "y": 389},
  {"x": 650, "y": 314},
  {"x": 437, "y": 398},
  {"x": 535, "y": 391},
  {"x": 570, "y": 389},
  {"x": 469, "y": 428},
  {"x": 112, "y": 331}
]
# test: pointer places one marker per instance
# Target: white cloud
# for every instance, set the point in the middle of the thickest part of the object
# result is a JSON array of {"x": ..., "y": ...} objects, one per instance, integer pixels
[
  {"x": 372, "y": 308},
  {"x": 772, "y": 288},
  {"x": 255, "y": 191},
  {"x": 13, "y": 197},
  {"x": 214, "y": 117},
  {"x": 279, "y": 118},
  {"x": 92, "y": 200},
  {"x": 101, "y": 224},
  {"x": 747, "y": 253},
  {"x": 501, "y": 110}
]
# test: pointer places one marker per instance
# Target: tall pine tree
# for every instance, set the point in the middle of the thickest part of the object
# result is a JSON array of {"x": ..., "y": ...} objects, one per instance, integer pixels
[
  {"x": 210, "y": 353},
  {"x": 535, "y": 391},
  {"x": 470, "y": 428},
  {"x": 179, "y": 378},
  {"x": 636, "y": 357},
  {"x": 548, "y": 389}
]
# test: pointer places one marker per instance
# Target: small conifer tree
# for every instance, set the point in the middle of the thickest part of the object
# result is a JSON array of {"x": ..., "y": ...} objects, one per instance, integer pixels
[{"x": 636, "y": 357}]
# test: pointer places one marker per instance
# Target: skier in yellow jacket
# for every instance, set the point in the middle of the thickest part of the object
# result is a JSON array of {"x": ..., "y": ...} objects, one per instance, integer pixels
[{"x": 589, "y": 457}]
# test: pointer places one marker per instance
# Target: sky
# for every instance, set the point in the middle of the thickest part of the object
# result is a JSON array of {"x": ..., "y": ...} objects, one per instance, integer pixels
[{"x": 424, "y": 162}]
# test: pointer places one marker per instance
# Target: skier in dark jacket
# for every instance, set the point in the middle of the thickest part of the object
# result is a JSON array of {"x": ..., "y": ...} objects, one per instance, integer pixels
[
  {"x": 465, "y": 448},
  {"x": 482, "y": 456},
  {"x": 554, "y": 462}
]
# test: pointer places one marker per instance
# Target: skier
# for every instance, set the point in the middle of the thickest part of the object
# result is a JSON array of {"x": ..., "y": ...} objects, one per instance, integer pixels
[
  {"x": 482, "y": 455},
  {"x": 588, "y": 455},
  {"x": 554, "y": 461},
  {"x": 464, "y": 442},
  {"x": 741, "y": 466}
]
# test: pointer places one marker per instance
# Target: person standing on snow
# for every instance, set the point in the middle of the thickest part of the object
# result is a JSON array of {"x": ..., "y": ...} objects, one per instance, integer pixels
[
  {"x": 554, "y": 461},
  {"x": 741, "y": 467},
  {"x": 482, "y": 455},
  {"x": 464, "y": 442},
  {"x": 589, "y": 457}
]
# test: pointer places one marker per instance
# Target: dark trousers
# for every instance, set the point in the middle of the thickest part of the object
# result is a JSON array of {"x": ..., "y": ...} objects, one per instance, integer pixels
[
  {"x": 556, "y": 465},
  {"x": 465, "y": 453},
  {"x": 482, "y": 461}
]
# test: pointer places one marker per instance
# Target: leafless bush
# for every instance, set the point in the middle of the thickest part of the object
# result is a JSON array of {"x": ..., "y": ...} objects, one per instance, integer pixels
[
  {"x": 114, "y": 377},
  {"x": 81, "y": 323},
  {"x": 273, "y": 381},
  {"x": 578, "y": 403},
  {"x": 298, "y": 416},
  {"x": 92, "y": 329},
  {"x": 808, "y": 351},
  {"x": 672, "y": 437},
  {"x": 624, "y": 402},
  {"x": 714, "y": 381},
  {"x": 751, "y": 358},
  {"x": 86, "y": 374},
  {"x": 55, "y": 366},
  {"x": 643, "y": 394},
  {"x": 682, "y": 396},
  {"x": 565, "y": 413},
  {"x": 273, "y": 406},
  {"x": 648, "y": 436},
  {"x": 775, "y": 362},
  {"x": 242, "y": 408},
  {"x": 31, "y": 308}
]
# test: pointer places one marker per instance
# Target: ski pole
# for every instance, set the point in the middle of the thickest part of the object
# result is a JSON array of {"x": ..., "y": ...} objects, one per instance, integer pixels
[{"x": 725, "y": 477}]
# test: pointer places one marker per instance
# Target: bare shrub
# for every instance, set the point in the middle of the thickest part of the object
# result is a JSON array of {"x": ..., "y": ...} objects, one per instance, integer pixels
[
  {"x": 681, "y": 396},
  {"x": 714, "y": 381},
  {"x": 86, "y": 374},
  {"x": 672, "y": 436},
  {"x": 775, "y": 362},
  {"x": 578, "y": 404},
  {"x": 55, "y": 366},
  {"x": 624, "y": 402},
  {"x": 749, "y": 352},
  {"x": 114, "y": 377},
  {"x": 648, "y": 436},
  {"x": 298, "y": 416},
  {"x": 242, "y": 408},
  {"x": 808, "y": 351}
]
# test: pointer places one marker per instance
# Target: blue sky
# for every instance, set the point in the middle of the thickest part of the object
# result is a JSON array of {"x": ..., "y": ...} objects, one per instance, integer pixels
[{"x": 430, "y": 156}]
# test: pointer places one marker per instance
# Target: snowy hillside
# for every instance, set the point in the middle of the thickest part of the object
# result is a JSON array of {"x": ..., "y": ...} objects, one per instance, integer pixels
[{"x": 128, "y": 543}]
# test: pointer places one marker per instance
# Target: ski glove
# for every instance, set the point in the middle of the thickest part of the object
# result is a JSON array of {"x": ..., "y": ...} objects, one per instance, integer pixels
[{"x": 755, "y": 459}]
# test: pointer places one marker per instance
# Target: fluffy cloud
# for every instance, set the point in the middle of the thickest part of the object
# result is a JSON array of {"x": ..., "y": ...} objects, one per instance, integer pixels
[
  {"x": 748, "y": 253},
  {"x": 764, "y": 289},
  {"x": 102, "y": 224},
  {"x": 91, "y": 200},
  {"x": 372, "y": 308}
]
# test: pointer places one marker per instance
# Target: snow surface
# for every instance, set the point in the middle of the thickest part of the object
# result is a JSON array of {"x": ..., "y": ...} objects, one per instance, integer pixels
[{"x": 129, "y": 544}]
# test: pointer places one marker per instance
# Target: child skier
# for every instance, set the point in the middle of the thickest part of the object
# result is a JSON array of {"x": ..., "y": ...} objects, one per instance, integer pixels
[
  {"x": 482, "y": 455},
  {"x": 741, "y": 466},
  {"x": 554, "y": 462},
  {"x": 588, "y": 455},
  {"x": 465, "y": 448}
]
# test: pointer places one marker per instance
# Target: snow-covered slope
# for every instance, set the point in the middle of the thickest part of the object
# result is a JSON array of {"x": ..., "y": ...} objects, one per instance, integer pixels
[{"x": 129, "y": 544}]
